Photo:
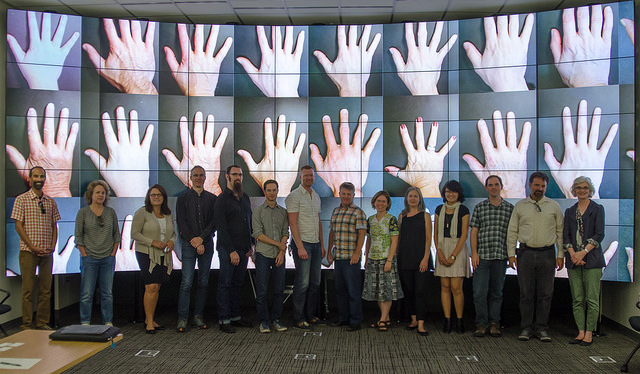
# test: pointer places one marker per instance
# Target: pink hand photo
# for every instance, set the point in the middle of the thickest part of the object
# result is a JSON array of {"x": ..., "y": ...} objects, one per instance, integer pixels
[{"x": 53, "y": 152}]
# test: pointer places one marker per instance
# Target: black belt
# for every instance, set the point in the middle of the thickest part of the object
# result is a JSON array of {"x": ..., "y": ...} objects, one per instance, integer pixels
[{"x": 549, "y": 247}]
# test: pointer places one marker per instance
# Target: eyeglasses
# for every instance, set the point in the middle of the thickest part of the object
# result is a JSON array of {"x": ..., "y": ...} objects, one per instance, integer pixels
[
  {"x": 100, "y": 221},
  {"x": 581, "y": 188},
  {"x": 538, "y": 208},
  {"x": 155, "y": 195},
  {"x": 42, "y": 209}
]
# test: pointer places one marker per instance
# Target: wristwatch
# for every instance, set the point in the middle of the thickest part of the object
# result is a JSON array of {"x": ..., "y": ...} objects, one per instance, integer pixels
[{"x": 453, "y": 257}]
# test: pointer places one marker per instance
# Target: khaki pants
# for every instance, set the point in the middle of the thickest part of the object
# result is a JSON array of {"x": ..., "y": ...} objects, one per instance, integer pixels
[{"x": 28, "y": 264}]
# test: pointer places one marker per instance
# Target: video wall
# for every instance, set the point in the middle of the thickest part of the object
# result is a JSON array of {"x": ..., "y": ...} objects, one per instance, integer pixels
[{"x": 382, "y": 106}]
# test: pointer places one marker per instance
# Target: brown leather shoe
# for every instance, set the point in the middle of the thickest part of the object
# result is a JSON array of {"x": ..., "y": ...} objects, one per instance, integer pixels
[
  {"x": 480, "y": 331},
  {"x": 494, "y": 330}
]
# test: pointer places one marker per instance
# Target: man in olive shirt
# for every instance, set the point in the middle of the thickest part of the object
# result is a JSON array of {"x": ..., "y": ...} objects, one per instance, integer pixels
[
  {"x": 271, "y": 231},
  {"x": 537, "y": 224}
]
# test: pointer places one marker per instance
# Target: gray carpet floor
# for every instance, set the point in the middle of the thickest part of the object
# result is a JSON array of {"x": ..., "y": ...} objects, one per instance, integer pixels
[{"x": 366, "y": 351}]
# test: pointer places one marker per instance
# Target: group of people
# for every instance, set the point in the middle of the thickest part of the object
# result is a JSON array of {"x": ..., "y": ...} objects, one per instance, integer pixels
[{"x": 532, "y": 236}]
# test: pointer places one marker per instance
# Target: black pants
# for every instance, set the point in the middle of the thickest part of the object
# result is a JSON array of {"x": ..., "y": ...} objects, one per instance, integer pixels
[{"x": 414, "y": 286}]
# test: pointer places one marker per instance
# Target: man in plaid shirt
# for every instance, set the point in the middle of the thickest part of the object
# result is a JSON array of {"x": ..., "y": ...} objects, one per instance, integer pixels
[
  {"x": 36, "y": 215},
  {"x": 489, "y": 225},
  {"x": 348, "y": 228}
]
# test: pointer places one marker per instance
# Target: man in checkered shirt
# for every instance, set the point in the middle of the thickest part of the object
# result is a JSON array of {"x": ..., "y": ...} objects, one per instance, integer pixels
[
  {"x": 348, "y": 228},
  {"x": 489, "y": 225},
  {"x": 36, "y": 215}
]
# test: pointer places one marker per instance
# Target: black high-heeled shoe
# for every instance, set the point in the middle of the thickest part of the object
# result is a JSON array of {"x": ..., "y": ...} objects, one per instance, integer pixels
[
  {"x": 447, "y": 326},
  {"x": 459, "y": 325}
]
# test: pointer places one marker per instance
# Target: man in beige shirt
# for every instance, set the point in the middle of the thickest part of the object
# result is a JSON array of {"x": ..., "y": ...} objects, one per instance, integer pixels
[{"x": 536, "y": 223}]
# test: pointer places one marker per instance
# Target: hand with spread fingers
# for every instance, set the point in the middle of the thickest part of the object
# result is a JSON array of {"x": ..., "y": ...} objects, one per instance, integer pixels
[
  {"x": 198, "y": 71},
  {"x": 281, "y": 160},
  {"x": 424, "y": 164},
  {"x": 421, "y": 72},
  {"x": 279, "y": 71},
  {"x": 127, "y": 168},
  {"x": 582, "y": 55},
  {"x": 507, "y": 159},
  {"x": 52, "y": 152},
  {"x": 131, "y": 63},
  {"x": 503, "y": 62},
  {"x": 200, "y": 150},
  {"x": 581, "y": 154},
  {"x": 41, "y": 64},
  {"x": 351, "y": 69},
  {"x": 345, "y": 162}
]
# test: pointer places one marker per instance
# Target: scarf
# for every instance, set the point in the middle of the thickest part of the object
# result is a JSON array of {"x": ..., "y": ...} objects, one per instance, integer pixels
[{"x": 453, "y": 229}]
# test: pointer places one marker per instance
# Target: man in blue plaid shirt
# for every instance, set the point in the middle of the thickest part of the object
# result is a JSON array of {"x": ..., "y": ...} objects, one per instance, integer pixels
[
  {"x": 348, "y": 228},
  {"x": 489, "y": 225}
]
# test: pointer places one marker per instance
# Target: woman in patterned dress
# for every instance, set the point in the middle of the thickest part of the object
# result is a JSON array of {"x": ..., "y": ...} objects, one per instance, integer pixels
[{"x": 381, "y": 280}]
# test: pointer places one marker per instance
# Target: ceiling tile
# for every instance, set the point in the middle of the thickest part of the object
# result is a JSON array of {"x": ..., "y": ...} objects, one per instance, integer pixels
[
  {"x": 310, "y": 16},
  {"x": 62, "y": 9},
  {"x": 144, "y": 2},
  {"x": 368, "y": 3},
  {"x": 141, "y": 10},
  {"x": 311, "y": 3},
  {"x": 23, "y": 4},
  {"x": 176, "y": 18},
  {"x": 416, "y": 16},
  {"x": 256, "y": 3},
  {"x": 112, "y": 11},
  {"x": 221, "y": 19},
  {"x": 89, "y": 2},
  {"x": 472, "y": 6},
  {"x": 420, "y": 6},
  {"x": 202, "y": 8},
  {"x": 528, "y": 6}
]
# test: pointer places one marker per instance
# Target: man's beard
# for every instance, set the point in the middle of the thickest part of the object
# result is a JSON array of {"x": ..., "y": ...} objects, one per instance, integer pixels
[
  {"x": 38, "y": 185},
  {"x": 237, "y": 188},
  {"x": 538, "y": 193}
]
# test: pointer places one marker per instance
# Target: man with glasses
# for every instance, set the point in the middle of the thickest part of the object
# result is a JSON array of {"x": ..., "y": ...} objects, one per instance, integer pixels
[
  {"x": 536, "y": 223},
  {"x": 194, "y": 216},
  {"x": 232, "y": 218},
  {"x": 35, "y": 216}
]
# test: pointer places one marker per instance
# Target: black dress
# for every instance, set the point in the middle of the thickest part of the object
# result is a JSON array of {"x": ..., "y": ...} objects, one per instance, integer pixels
[{"x": 412, "y": 242}]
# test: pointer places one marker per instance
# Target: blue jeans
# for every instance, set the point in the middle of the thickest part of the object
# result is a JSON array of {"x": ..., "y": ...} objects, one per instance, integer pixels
[
  {"x": 307, "y": 281},
  {"x": 230, "y": 282},
  {"x": 348, "y": 285},
  {"x": 488, "y": 281},
  {"x": 94, "y": 270},
  {"x": 189, "y": 257},
  {"x": 266, "y": 268}
]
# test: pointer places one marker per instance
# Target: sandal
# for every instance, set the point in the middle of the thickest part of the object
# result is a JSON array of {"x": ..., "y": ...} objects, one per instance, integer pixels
[{"x": 382, "y": 326}]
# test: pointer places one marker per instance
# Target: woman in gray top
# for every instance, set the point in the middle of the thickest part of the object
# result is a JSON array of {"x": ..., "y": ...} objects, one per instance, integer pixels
[{"x": 97, "y": 237}]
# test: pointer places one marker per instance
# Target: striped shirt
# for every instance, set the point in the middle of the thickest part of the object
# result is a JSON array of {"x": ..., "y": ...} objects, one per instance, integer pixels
[
  {"x": 492, "y": 223},
  {"x": 96, "y": 234},
  {"x": 308, "y": 206},
  {"x": 38, "y": 214},
  {"x": 345, "y": 223}
]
